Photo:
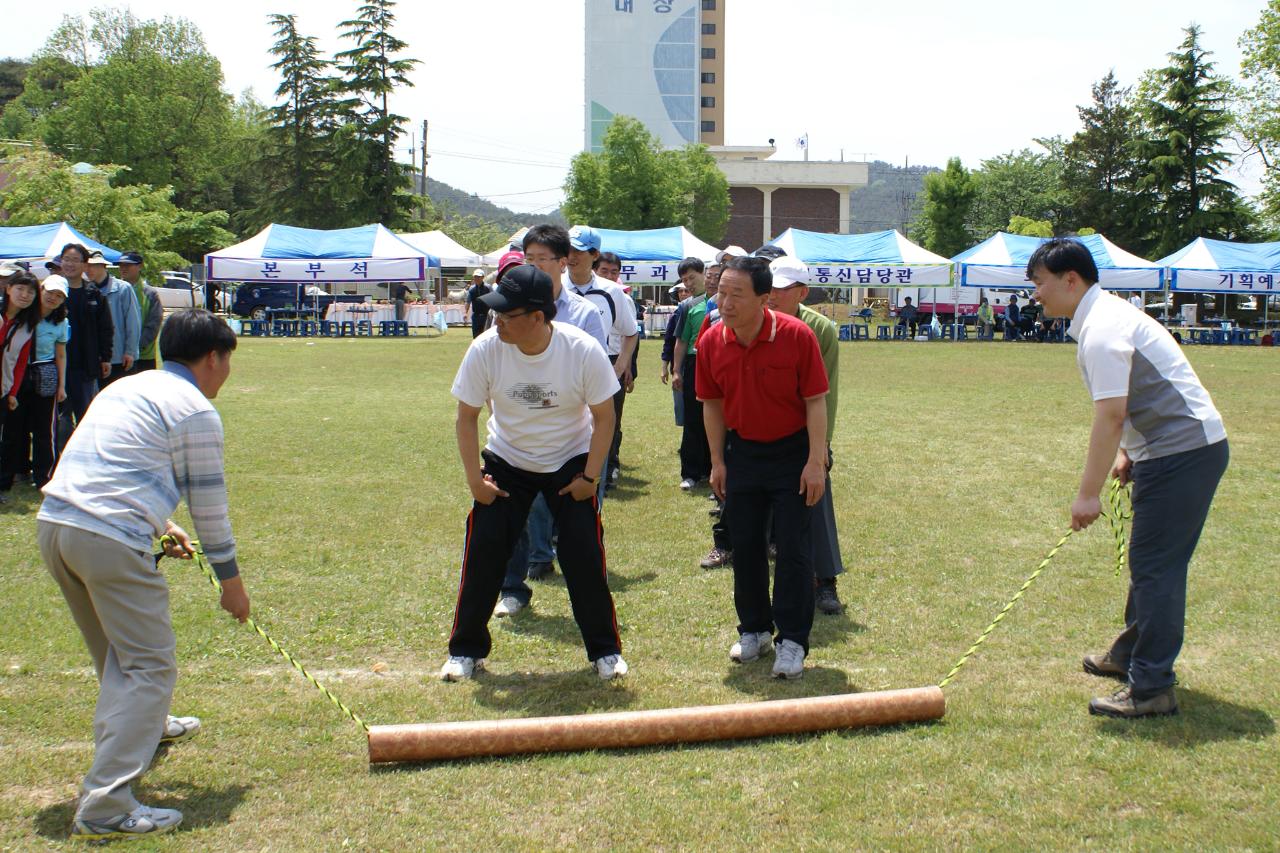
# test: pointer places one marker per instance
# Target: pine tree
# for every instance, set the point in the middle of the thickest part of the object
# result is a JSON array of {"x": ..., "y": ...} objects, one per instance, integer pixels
[
  {"x": 1100, "y": 169},
  {"x": 298, "y": 161},
  {"x": 948, "y": 199},
  {"x": 1186, "y": 110},
  {"x": 372, "y": 73}
]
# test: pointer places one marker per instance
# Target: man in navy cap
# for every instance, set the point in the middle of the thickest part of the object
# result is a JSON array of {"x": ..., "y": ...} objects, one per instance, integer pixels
[
  {"x": 549, "y": 388},
  {"x": 150, "y": 308}
]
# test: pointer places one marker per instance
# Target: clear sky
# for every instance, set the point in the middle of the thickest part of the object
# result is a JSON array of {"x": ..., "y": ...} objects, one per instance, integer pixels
[{"x": 922, "y": 80}]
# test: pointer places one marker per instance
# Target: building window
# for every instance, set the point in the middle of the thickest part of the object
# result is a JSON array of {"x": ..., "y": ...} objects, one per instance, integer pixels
[
  {"x": 708, "y": 127},
  {"x": 708, "y": 5},
  {"x": 708, "y": 103},
  {"x": 708, "y": 77},
  {"x": 708, "y": 53},
  {"x": 708, "y": 29}
]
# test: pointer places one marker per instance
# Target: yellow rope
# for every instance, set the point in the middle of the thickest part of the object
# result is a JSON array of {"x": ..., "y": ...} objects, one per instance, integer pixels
[
  {"x": 213, "y": 579},
  {"x": 1117, "y": 516}
]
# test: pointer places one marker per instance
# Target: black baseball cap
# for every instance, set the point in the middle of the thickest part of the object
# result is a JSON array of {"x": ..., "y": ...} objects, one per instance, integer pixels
[
  {"x": 130, "y": 258},
  {"x": 525, "y": 286}
]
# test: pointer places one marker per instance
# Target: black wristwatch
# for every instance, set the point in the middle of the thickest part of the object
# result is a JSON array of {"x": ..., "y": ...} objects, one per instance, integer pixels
[{"x": 582, "y": 476}]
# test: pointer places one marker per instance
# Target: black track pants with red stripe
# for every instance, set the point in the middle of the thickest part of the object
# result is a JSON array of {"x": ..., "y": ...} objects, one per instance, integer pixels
[{"x": 492, "y": 532}]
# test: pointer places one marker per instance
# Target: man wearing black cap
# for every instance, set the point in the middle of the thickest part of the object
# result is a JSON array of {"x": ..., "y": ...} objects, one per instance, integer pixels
[
  {"x": 549, "y": 388},
  {"x": 151, "y": 308}
]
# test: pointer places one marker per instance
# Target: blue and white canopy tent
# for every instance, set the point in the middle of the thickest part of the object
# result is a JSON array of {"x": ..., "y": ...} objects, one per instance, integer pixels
[
  {"x": 1219, "y": 266},
  {"x": 41, "y": 242},
  {"x": 647, "y": 256},
  {"x": 1000, "y": 262},
  {"x": 283, "y": 253},
  {"x": 878, "y": 259}
]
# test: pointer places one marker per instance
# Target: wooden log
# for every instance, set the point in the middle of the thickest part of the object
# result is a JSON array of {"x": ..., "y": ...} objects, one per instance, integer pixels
[{"x": 625, "y": 729}]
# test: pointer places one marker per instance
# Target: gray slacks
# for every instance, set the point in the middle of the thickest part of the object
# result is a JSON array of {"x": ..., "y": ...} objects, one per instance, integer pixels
[{"x": 120, "y": 602}]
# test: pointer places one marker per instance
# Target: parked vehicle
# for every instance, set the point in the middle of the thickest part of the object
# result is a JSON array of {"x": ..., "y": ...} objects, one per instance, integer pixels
[
  {"x": 179, "y": 291},
  {"x": 253, "y": 300}
]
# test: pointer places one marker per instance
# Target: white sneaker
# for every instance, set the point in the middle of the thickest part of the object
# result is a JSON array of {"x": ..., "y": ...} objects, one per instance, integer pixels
[
  {"x": 180, "y": 728},
  {"x": 458, "y": 668},
  {"x": 789, "y": 662},
  {"x": 688, "y": 483},
  {"x": 508, "y": 606},
  {"x": 610, "y": 667},
  {"x": 144, "y": 820},
  {"x": 750, "y": 646}
]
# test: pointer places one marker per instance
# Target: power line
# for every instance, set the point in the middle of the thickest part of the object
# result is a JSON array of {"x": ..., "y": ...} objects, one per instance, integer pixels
[
  {"x": 525, "y": 192},
  {"x": 512, "y": 161}
]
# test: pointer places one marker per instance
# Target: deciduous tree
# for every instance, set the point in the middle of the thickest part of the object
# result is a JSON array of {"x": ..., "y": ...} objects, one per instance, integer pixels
[{"x": 634, "y": 183}]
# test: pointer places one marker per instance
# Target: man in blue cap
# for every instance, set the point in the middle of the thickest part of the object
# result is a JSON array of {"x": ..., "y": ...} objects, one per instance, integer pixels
[{"x": 616, "y": 310}]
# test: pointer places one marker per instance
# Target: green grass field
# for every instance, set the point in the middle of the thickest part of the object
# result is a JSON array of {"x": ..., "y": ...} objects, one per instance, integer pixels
[{"x": 955, "y": 465}]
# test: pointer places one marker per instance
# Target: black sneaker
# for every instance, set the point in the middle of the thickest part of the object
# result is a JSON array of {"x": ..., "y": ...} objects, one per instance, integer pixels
[
  {"x": 717, "y": 558},
  {"x": 538, "y": 571},
  {"x": 826, "y": 599}
]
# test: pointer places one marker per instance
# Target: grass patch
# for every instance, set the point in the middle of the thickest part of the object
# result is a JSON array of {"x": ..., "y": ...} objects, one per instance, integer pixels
[{"x": 955, "y": 465}]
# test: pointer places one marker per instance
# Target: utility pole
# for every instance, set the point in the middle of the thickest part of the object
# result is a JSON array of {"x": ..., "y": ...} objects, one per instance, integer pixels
[{"x": 424, "y": 156}]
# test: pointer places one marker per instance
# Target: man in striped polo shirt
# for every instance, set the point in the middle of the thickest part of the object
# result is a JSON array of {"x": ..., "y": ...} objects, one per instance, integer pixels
[
  {"x": 1154, "y": 424},
  {"x": 148, "y": 441}
]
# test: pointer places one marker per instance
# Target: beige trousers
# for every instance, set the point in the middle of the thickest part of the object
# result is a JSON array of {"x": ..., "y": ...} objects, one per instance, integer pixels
[{"x": 120, "y": 601}]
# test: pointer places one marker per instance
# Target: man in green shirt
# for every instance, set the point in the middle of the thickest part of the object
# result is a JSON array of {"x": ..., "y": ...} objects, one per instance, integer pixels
[
  {"x": 695, "y": 455},
  {"x": 790, "y": 289},
  {"x": 150, "y": 308}
]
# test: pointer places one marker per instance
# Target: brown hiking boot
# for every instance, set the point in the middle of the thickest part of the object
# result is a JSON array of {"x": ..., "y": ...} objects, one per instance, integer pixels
[
  {"x": 1105, "y": 666},
  {"x": 1122, "y": 704}
]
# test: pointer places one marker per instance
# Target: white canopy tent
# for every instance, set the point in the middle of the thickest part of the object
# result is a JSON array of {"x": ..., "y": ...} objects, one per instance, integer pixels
[
  {"x": 440, "y": 245},
  {"x": 283, "y": 253}
]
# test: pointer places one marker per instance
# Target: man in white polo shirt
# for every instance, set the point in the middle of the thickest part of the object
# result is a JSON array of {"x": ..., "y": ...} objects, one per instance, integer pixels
[
  {"x": 550, "y": 390},
  {"x": 1154, "y": 424}
]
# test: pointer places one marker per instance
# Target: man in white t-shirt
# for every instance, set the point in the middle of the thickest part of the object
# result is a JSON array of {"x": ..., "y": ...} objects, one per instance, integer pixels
[
  {"x": 549, "y": 388},
  {"x": 1154, "y": 424}
]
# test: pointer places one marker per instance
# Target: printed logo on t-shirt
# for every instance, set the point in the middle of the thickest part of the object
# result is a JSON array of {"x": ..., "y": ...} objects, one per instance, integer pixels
[{"x": 534, "y": 395}]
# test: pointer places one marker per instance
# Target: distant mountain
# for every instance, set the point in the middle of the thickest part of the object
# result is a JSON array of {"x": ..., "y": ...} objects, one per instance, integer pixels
[
  {"x": 891, "y": 199},
  {"x": 453, "y": 202}
]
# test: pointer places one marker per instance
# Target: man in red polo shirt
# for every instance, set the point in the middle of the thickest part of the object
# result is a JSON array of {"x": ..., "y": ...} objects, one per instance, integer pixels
[{"x": 763, "y": 387}]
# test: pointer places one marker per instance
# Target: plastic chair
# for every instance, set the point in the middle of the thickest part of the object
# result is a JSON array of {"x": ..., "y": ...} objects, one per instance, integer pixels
[
  {"x": 882, "y": 332},
  {"x": 364, "y": 327},
  {"x": 347, "y": 329},
  {"x": 308, "y": 328},
  {"x": 860, "y": 332}
]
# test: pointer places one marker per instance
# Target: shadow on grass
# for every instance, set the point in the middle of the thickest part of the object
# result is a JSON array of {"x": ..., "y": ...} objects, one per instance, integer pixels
[
  {"x": 829, "y": 630},
  {"x": 551, "y": 694},
  {"x": 629, "y": 488},
  {"x": 617, "y": 582},
  {"x": 22, "y": 499},
  {"x": 756, "y": 679},
  {"x": 200, "y": 805},
  {"x": 559, "y": 628},
  {"x": 1201, "y": 718}
]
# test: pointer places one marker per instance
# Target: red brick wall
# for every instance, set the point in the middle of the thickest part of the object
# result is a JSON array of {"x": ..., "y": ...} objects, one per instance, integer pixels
[
  {"x": 746, "y": 207},
  {"x": 809, "y": 208}
]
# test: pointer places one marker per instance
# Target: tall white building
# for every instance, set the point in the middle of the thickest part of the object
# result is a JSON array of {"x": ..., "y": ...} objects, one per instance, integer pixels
[{"x": 660, "y": 61}]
